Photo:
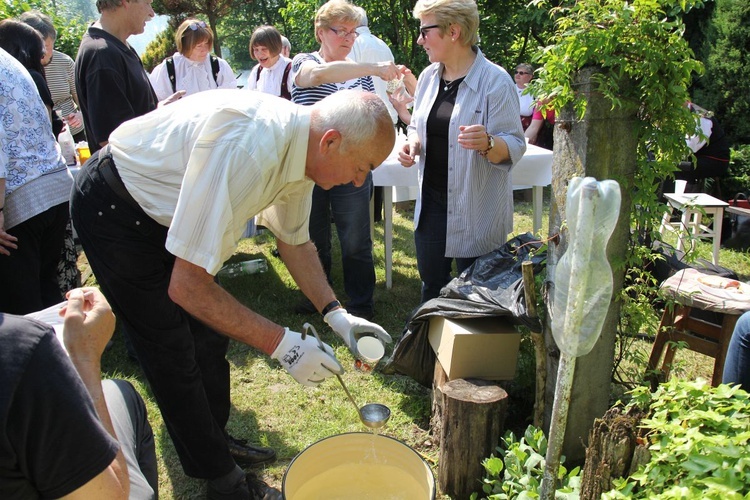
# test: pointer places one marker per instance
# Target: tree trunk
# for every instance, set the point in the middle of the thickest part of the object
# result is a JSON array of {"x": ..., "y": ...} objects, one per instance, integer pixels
[
  {"x": 472, "y": 416},
  {"x": 601, "y": 145},
  {"x": 615, "y": 450}
]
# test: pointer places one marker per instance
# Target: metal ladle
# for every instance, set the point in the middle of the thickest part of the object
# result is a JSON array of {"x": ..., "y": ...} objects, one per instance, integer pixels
[{"x": 372, "y": 415}]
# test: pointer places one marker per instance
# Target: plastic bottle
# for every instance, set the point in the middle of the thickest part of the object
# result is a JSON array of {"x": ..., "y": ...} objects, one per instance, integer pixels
[
  {"x": 67, "y": 147},
  {"x": 583, "y": 276},
  {"x": 243, "y": 268}
]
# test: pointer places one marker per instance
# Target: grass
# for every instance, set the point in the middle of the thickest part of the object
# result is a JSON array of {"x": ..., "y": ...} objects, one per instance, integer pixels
[{"x": 270, "y": 408}]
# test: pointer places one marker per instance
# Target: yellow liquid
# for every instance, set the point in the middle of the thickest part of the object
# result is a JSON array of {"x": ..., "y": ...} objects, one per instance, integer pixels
[{"x": 362, "y": 482}]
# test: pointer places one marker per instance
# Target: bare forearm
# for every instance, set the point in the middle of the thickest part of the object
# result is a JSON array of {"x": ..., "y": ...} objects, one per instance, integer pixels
[
  {"x": 303, "y": 264},
  {"x": 334, "y": 71},
  {"x": 90, "y": 372},
  {"x": 533, "y": 130},
  {"x": 194, "y": 290},
  {"x": 499, "y": 153}
]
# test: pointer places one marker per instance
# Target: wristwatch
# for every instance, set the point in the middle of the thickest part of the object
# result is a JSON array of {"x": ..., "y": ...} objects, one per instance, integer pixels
[{"x": 491, "y": 142}]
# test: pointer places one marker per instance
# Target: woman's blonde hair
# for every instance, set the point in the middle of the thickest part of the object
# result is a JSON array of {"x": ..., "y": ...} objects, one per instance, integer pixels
[
  {"x": 334, "y": 11},
  {"x": 464, "y": 13},
  {"x": 190, "y": 33}
]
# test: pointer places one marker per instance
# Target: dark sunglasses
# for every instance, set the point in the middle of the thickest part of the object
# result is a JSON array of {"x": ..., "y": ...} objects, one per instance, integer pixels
[
  {"x": 423, "y": 30},
  {"x": 198, "y": 24},
  {"x": 522, "y": 73}
]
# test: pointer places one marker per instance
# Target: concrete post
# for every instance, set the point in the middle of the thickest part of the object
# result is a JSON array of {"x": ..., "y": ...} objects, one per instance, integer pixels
[{"x": 601, "y": 145}]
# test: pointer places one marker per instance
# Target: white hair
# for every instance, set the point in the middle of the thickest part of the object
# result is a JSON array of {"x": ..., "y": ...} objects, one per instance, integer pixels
[{"x": 361, "y": 117}]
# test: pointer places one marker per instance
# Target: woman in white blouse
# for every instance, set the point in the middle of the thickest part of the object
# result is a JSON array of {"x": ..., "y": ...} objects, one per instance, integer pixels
[
  {"x": 272, "y": 75},
  {"x": 192, "y": 69}
]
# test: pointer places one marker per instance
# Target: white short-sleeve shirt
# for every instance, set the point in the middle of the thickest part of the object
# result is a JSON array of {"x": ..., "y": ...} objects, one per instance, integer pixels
[{"x": 205, "y": 164}]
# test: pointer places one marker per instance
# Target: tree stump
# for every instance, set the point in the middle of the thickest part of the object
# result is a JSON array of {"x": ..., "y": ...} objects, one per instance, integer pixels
[
  {"x": 468, "y": 417},
  {"x": 614, "y": 451}
]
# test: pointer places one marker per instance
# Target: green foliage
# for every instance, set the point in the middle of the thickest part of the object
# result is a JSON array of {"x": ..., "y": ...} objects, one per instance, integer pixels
[
  {"x": 739, "y": 172},
  {"x": 70, "y": 25},
  {"x": 625, "y": 43},
  {"x": 699, "y": 440},
  {"x": 160, "y": 47},
  {"x": 725, "y": 88},
  {"x": 518, "y": 474}
]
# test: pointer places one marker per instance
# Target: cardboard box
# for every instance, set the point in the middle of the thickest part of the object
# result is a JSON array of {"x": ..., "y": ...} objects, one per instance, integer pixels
[{"x": 485, "y": 348}]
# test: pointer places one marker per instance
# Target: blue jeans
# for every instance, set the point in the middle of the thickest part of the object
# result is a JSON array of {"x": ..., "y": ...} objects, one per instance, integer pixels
[
  {"x": 737, "y": 364},
  {"x": 350, "y": 207},
  {"x": 429, "y": 238}
]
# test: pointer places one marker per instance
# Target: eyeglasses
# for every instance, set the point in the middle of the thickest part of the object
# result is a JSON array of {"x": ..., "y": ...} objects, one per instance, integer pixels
[
  {"x": 198, "y": 24},
  {"x": 342, "y": 33},
  {"x": 522, "y": 73},
  {"x": 423, "y": 30}
]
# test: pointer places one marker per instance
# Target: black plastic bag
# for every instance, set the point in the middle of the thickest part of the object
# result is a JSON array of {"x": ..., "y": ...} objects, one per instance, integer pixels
[{"x": 492, "y": 286}]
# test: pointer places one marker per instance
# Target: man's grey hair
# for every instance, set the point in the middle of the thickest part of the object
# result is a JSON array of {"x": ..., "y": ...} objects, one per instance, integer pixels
[
  {"x": 40, "y": 22},
  {"x": 102, "y": 5},
  {"x": 363, "y": 15},
  {"x": 285, "y": 43},
  {"x": 361, "y": 117}
]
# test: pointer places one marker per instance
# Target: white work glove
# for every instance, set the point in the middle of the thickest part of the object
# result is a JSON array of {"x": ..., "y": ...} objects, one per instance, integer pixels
[
  {"x": 305, "y": 358},
  {"x": 351, "y": 328}
]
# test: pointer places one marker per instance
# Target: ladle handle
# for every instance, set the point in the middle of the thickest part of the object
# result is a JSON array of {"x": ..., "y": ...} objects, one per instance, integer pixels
[
  {"x": 341, "y": 381},
  {"x": 308, "y": 327}
]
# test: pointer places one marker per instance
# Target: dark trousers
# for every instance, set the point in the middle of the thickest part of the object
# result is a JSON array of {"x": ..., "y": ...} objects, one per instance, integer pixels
[
  {"x": 429, "y": 239},
  {"x": 29, "y": 273},
  {"x": 183, "y": 359},
  {"x": 350, "y": 207}
]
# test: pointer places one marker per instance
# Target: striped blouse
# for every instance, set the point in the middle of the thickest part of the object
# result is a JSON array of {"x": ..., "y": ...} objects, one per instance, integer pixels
[
  {"x": 62, "y": 85},
  {"x": 480, "y": 193},
  {"x": 308, "y": 96}
]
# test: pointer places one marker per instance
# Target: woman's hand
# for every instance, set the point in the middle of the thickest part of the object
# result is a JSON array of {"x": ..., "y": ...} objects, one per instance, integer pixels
[
  {"x": 407, "y": 155},
  {"x": 410, "y": 81},
  {"x": 75, "y": 119},
  {"x": 473, "y": 137},
  {"x": 387, "y": 71},
  {"x": 7, "y": 241}
]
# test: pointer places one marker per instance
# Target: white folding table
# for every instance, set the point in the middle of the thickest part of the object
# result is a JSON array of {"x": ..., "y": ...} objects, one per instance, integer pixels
[{"x": 400, "y": 183}]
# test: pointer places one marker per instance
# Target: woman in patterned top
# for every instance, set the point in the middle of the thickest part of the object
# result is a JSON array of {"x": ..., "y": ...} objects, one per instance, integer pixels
[
  {"x": 315, "y": 76},
  {"x": 466, "y": 132},
  {"x": 34, "y": 190}
]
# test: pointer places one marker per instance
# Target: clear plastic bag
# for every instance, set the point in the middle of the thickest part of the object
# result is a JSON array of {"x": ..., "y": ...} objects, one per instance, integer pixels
[{"x": 583, "y": 276}]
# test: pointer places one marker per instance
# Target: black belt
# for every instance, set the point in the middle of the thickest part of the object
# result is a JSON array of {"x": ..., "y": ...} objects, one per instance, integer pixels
[{"x": 111, "y": 176}]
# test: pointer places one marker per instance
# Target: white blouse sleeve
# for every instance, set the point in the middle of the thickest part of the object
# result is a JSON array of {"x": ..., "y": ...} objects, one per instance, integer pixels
[
  {"x": 226, "y": 78},
  {"x": 159, "y": 78}
]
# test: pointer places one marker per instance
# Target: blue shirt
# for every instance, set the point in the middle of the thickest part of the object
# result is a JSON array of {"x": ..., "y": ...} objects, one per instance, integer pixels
[{"x": 480, "y": 193}]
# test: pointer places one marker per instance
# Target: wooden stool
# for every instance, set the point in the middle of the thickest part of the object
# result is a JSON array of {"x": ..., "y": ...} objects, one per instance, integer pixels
[
  {"x": 693, "y": 206},
  {"x": 677, "y": 324}
]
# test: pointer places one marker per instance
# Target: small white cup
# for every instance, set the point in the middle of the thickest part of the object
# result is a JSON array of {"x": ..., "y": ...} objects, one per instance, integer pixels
[
  {"x": 679, "y": 186},
  {"x": 371, "y": 350}
]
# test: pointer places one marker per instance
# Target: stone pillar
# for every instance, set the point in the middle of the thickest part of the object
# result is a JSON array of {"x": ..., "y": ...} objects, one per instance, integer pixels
[{"x": 601, "y": 145}]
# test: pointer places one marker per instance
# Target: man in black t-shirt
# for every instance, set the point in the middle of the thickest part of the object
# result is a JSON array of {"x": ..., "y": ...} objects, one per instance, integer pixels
[
  {"x": 60, "y": 423},
  {"x": 112, "y": 84}
]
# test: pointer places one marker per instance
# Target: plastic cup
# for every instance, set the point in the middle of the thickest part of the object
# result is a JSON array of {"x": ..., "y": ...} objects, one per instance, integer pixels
[
  {"x": 679, "y": 186},
  {"x": 371, "y": 350},
  {"x": 84, "y": 153}
]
